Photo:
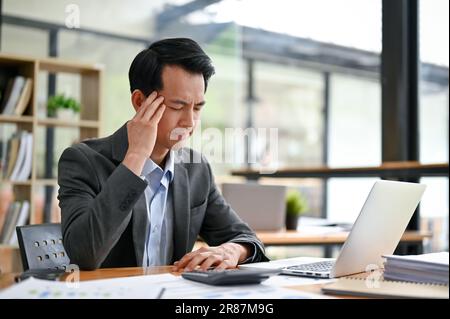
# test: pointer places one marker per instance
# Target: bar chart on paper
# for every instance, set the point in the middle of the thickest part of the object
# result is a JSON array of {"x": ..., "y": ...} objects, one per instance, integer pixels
[
  {"x": 118, "y": 288},
  {"x": 165, "y": 286},
  {"x": 179, "y": 288}
]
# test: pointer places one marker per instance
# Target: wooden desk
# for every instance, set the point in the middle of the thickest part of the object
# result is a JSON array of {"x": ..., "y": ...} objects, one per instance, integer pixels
[
  {"x": 268, "y": 238},
  {"x": 7, "y": 279},
  {"x": 387, "y": 169},
  {"x": 293, "y": 237},
  {"x": 328, "y": 240}
]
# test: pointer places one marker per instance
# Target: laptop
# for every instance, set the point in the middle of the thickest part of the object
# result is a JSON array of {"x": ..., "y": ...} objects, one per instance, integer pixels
[
  {"x": 376, "y": 232},
  {"x": 262, "y": 207}
]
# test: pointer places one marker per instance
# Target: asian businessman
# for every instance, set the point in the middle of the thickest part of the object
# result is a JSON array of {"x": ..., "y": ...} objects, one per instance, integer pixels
[{"x": 136, "y": 198}]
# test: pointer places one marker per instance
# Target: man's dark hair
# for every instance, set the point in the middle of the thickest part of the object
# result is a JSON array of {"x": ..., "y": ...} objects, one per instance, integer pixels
[{"x": 146, "y": 69}]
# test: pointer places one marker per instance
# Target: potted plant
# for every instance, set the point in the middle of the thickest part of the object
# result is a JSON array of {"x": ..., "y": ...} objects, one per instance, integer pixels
[
  {"x": 296, "y": 205},
  {"x": 63, "y": 107}
]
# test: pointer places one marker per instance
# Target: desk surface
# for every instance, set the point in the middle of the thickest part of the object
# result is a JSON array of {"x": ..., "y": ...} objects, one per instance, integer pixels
[
  {"x": 268, "y": 238},
  {"x": 7, "y": 279},
  {"x": 305, "y": 238},
  {"x": 387, "y": 169}
]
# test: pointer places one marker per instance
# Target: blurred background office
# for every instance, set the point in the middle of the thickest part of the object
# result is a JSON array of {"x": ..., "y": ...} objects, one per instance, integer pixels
[{"x": 312, "y": 69}]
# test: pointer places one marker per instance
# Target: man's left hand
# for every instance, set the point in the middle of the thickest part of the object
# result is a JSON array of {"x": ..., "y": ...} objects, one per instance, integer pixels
[{"x": 225, "y": 256}]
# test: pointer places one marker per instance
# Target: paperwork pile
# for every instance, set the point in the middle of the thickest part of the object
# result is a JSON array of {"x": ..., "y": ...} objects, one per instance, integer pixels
[
  {"x": 162, "y": 286},
  {"x": 426, "y": 268}
]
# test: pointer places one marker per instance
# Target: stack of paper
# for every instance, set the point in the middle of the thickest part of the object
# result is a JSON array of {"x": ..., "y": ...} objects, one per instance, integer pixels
[{"x": 426, "y": 268}]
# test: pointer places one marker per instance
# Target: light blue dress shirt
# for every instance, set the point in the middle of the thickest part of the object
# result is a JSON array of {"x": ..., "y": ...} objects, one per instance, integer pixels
[{"x": 159, "y": 239}]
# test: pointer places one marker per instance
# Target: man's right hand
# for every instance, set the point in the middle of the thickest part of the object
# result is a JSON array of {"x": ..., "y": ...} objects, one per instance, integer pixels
[{"x": 142, "y": 130}]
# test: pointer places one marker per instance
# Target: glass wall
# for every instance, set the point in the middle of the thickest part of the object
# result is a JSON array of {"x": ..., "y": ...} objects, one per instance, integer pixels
[
  {"x": 323, "y": 20},
  {"x": 292, "y": 100},
  {"x": 289, "y": 95},
  {"x": 225, "y": 97},
  {"x": 115, "y": 56},
  {"x": 354, "y": 137},
  {"x": 225, "y": 107},
  {"x": 24, "y": 41},
  {"x": 433, "y": 117},
  {"x": 354, "y": 140}
]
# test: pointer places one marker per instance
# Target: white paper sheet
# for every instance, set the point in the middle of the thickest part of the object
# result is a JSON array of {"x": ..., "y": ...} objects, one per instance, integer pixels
[
  {"x": 179, "y": 288},
  {"x": 164, "y": 286},
  {"x": 118, "y": 288}
]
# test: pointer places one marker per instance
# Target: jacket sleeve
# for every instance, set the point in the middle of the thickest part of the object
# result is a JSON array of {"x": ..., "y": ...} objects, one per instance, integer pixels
[
  {"x": 222, "y": 224},
  {"x": 93, "y": 215}
]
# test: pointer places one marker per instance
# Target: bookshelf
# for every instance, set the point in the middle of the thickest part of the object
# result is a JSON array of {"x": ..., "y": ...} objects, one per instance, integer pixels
[{"x": 34, "y": 118}]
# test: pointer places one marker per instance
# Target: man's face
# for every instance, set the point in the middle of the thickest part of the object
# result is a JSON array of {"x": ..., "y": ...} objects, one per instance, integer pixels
[{"x": 184, "y": 98}]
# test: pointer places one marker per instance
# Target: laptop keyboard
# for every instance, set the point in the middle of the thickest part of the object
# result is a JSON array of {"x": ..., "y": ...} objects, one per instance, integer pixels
[{"x": 321, "y": 266}]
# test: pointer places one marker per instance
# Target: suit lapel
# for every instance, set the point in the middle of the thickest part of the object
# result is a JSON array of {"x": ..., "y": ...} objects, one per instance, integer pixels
[
  {"x": 181, "y": 205},
  {"x": 140, "y": 226}
]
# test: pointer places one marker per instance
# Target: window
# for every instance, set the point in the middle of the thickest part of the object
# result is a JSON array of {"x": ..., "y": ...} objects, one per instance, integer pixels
[
  {"x": 20, "y": 40},
  {"x": 116, "y": 56},
  {"x": 354, "y": 140},
  {"x": 355, "y": 121},
  {"x": 433, "y": 116},
  {"x": 225, "y": 104},
  {"x": 323, "y": 20},
  {"x": 291, "y": 99}
]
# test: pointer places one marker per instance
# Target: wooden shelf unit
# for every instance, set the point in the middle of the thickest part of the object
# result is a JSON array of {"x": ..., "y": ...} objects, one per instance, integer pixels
[{"x": 90, "y": 115}]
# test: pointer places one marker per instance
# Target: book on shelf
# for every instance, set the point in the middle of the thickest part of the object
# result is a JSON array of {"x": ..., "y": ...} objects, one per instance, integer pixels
[
  {"x": 16, "y": 96},
  {"x": 25, "y": 169},
  {"x": 20, "y": 156},
  {"x": 11, "y": 155},
  {"x": 2, "y": 218},
  {"x": 7, "y": 224},
  {"x": 22, "y": 220},
  {"x": 22, "y": 168},
  {"x": 425, "y": 268},
  {"x": 17, "y": 215},
  {"x": 16, "y": 161},
  {"x": 12, "y": 94},
  {"x": 6, "y": 94},
  {"x": 24, "y": 98}
]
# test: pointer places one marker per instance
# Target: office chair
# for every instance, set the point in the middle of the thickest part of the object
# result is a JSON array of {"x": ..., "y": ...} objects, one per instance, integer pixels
[{"x": 41, "y": 248}]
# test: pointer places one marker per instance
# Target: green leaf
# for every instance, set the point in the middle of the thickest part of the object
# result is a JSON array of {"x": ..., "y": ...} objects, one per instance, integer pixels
[
  {"x": 60, "y": 101},
  {"x": 296, "y": 203}
]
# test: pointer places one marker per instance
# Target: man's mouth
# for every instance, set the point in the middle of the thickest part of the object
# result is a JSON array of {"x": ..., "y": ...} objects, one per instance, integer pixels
[{"x": 179, "y": 134}]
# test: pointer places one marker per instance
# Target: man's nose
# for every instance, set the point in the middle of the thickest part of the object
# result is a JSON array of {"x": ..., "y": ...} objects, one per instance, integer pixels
[{"x": 188, "y": 117}]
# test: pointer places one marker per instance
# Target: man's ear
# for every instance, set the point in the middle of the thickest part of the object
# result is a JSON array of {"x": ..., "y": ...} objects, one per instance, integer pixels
[{"x": 137, "y": 98}]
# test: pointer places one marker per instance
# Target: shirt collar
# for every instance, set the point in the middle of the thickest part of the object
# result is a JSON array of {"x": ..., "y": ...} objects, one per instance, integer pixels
[
  {"x": 170, "y": 165},
  {"x": 150, "y": 166}
]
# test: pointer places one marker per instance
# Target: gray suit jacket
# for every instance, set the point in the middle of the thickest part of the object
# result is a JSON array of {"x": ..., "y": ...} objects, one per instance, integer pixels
[{"x": 104, "y": 216}]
